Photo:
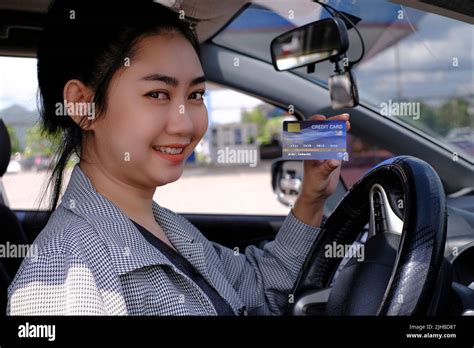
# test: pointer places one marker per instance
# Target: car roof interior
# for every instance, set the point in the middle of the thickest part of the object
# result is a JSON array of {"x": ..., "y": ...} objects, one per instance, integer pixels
[
  {"x": 21, "y": 27},
  {"x": 21, "y": 20}
]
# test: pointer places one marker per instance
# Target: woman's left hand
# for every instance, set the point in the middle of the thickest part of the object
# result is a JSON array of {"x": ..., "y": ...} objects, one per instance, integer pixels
[{"x": 320, "y": 181}]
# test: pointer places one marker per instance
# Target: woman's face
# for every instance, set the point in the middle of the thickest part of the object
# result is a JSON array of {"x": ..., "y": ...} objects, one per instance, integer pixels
[{"x": 154, "y": 101}]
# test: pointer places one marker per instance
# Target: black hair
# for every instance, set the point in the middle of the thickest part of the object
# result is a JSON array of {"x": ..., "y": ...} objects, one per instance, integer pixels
[{"x": 90, "y": 41}]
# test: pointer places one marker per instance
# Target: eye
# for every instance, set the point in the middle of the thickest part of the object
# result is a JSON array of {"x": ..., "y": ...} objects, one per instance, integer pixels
[
  {"x": 158, "y": 95},
  {"x": 198, "y": 95}
]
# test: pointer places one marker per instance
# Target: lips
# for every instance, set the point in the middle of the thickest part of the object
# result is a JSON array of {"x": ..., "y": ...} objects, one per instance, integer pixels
[{"x": 171, "y": 152}]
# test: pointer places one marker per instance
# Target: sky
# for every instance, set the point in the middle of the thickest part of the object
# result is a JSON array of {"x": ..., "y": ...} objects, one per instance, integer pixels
[
  {"x": 18, "y": 82},
  {"x": 426, "y": 59}
]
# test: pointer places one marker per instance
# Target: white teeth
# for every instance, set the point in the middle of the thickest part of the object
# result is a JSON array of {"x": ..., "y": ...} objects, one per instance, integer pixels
[{"x": 170, "y": 150}]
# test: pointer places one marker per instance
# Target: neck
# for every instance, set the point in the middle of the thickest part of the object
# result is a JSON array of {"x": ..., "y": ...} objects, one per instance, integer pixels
[{"x": 135, "y": 202}]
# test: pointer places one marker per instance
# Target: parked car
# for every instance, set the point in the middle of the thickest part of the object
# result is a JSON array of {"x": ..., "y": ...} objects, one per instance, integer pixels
[{"x": 36, "y": 163}]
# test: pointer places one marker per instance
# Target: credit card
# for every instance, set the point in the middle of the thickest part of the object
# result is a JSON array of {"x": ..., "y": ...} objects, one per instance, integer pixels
[{"x": 314, "y": 140}]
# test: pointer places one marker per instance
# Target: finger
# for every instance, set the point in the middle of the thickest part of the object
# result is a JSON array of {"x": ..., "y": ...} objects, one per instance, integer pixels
[
  {"x": 313, "y": 163},
  {"x": 341, "y": 117},
  {"x": 317, "y": 117},
  {"x": 325, "y": 168},
  {"x": 332, "y": 164}
]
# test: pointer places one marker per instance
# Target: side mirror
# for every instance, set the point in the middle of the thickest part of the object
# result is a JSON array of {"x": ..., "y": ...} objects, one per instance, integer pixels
[
  {"x": 312, "y": 43},
  {"x": 287, "y": 178}
]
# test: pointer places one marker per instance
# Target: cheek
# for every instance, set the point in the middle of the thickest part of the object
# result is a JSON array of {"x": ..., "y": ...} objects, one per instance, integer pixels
[
  {"x": 200, "y": 123},
  {"x": 126, "y": 129}
]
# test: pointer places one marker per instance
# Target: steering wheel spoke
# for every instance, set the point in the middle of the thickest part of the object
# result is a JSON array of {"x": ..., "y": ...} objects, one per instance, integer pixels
[
  {"x": 382, "y": 216},
  {"x": 312, "y": 302}
]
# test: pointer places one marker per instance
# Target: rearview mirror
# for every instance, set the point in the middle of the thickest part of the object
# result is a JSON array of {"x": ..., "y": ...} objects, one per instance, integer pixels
[{"x": 312, "y": 43}]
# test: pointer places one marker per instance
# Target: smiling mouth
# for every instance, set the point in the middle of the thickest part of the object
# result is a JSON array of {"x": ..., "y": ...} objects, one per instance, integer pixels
[
  {"x": 171, "y": 152},
  {"x": 172, "y": 149}
]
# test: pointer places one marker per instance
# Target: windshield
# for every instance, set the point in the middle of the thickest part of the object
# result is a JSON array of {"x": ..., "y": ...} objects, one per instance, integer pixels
[{"x": 417, "y": 68}]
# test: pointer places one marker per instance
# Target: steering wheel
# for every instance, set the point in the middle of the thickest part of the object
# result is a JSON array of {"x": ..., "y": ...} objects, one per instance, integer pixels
[{"x": 396, "y": 270}]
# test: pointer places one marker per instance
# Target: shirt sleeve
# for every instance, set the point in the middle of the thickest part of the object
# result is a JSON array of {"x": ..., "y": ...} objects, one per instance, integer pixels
[
  {"x": 264, "y": 278},
  {"x": 55, "y": 284}
]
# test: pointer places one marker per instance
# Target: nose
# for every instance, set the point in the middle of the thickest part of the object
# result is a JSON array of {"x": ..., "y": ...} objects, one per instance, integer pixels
[{"x": 181, "y": 121}]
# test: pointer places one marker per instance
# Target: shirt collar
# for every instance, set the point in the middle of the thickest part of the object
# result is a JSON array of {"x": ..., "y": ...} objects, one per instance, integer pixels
[{"x": 129, "y": 249}]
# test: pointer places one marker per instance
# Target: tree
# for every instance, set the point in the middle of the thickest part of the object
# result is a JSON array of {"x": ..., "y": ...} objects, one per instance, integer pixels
[
  {"x": 38, "y": 143},
  {"x": 439, "y": 121},
  {"x": 16, "y": 147},
  {"x": 455, "y": 113},
  {"x": 268, "y": 127},
  {"x": 257, "y": 117}
]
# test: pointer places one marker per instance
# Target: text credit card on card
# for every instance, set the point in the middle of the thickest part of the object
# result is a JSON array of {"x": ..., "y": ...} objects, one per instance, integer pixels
[{"x": 314, "y": 140}]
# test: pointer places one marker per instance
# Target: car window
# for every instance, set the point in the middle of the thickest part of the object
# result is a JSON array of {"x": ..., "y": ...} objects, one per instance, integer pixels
[
  {"x": 363, "y": 156},
  {"x": 31, "y": 151},
  {"x": 228, "y": 173}
]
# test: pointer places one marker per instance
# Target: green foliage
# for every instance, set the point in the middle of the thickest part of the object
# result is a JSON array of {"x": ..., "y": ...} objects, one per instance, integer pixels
[
  {"x": 39, "y": 143},
  {"x": 440, "y": 120},
  {"x": 267, "y": 128},
  {"x": 14, "y": 140},
  {"x": 257, "y": 117},
  {"x": 456, "y": 113}
]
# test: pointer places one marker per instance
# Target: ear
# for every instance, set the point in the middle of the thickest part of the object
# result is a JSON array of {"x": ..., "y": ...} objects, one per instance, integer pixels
[{"x": 78, "y": 102}]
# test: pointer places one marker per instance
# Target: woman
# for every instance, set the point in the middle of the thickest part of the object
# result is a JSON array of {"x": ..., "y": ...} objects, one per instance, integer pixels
[{"x": 108, "y": 248}]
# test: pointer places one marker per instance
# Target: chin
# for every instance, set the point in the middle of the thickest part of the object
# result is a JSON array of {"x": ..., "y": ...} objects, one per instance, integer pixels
[{"x": 168, "y": 176}]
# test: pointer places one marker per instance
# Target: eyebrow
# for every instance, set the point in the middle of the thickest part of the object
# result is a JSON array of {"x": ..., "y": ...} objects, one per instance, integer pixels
[{"x": 172, "y": 81}]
